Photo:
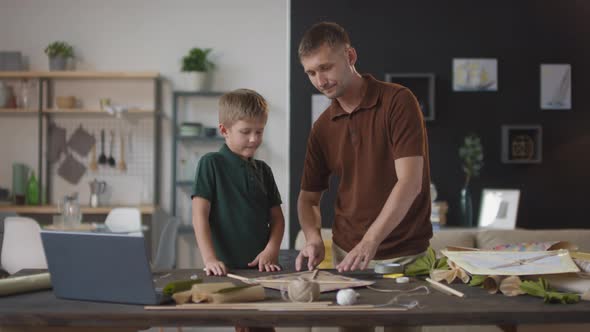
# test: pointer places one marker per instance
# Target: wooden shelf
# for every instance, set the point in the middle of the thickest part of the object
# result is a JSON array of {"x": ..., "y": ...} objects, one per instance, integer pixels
[
  {"x": 81, "y": 74},
  {"x": 52, "y": 209},
  {"x": 17, "y": 110},
  {"x": 90, "y": 111},
  {"x": 200, "y": 138}
]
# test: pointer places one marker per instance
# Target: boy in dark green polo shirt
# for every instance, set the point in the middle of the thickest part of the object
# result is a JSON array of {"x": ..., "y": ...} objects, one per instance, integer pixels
[{"x": 236, "y": 205}]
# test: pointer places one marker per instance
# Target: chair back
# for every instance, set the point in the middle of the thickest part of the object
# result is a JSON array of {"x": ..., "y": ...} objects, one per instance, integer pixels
[
  {"x": 22, "y": 247},
  {"x": 166, "y": 254}
]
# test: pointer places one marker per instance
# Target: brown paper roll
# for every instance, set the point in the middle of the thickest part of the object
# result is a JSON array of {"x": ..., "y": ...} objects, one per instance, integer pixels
[
  {"x": 492, "y": 284},
  {"x": 510, "y": 286},
  {"x": 182, "y": 297},
  {"x": 201, "y": 292},
  {"x": 15, "y": 285},
  {"x": 249, "y": 294}
]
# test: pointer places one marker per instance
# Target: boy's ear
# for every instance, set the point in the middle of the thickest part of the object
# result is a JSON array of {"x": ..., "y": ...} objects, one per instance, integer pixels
[{"x": 223, "y": 130}]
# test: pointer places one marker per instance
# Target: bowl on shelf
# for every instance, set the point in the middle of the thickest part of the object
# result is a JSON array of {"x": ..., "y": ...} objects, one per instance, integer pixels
[{"x": 65, "y": 101}]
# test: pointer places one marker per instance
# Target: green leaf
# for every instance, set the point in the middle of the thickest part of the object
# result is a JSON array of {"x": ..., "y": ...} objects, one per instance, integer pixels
[
  {"x": 179, "y": 286},
  {"x": 425, "y": 264},
  {"x": 477, "y": 280},
  {"x": 542, "y": 289},
  {"x": 442, "y": 264}
]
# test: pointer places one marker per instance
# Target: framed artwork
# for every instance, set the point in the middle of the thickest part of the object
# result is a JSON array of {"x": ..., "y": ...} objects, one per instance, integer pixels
[
  {"x": 499, "y": 208},
  {"x": 522, "y": 144},
  {"x": 556, "y": 87},
  {"x": 422, "y": 85},
  {"x": 475, "y": 74}
]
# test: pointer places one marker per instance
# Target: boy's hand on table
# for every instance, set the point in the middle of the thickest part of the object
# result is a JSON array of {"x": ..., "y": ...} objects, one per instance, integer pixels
[
  {"x": 215, "y": 267},
  {"x": 267, "y": 261}
]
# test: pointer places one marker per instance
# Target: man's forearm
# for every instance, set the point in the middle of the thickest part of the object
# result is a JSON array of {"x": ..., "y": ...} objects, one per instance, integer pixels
[
  {"x": 395, "y": 209},
  {"x": 310, "y": 220}
]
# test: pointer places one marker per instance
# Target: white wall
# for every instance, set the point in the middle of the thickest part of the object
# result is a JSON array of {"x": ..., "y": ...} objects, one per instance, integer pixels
[{"x": 250, "y": 40}]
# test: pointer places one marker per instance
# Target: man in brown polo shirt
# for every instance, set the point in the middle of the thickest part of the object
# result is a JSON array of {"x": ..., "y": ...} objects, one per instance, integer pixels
[{"x": 373, "y": 137}]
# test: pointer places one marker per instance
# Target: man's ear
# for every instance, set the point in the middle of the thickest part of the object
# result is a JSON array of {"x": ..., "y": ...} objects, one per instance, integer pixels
[{"x": 351, "y": 56}]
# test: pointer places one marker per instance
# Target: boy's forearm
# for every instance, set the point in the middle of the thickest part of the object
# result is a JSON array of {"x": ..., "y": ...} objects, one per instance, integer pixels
[
  {"x": 203, "y": 233},
  {"x": 277, "y": 229}
]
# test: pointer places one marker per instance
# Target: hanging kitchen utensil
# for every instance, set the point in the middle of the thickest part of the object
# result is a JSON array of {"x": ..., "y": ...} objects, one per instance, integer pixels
[
  {"x": 112, "y": 162},
  {"x": 93, "y": 165},
  {"x": 71, "y": 169},
  {"x": 56, "y": 142},
  {"x": 81, "y": 141},
  {"x": 102, "y": 159},
  {"x": 122, "y": 165}
]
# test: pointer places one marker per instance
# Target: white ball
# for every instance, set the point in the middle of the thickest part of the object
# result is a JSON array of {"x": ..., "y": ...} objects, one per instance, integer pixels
[{"x": 346, "y": 296}]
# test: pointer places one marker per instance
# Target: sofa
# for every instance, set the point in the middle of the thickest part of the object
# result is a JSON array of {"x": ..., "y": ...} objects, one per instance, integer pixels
[{"x": 483, "y": 239}]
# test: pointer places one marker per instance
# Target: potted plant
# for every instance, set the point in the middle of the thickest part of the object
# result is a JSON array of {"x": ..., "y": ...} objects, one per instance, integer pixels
[
  {"x": 58, "y": 53},
  {"x": 196, "y": 65},
  {"x": 471, "y": 154}
]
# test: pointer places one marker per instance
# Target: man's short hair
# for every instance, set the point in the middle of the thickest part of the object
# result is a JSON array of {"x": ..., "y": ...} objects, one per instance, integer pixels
[
  {"x": 241, "y": 104},
  {"x": 321, "y": 33}
]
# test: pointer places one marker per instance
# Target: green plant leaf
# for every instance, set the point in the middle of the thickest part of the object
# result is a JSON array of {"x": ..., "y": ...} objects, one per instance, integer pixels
[
  {"x": 197, "y": 59},
  {"x": 477, "y": 280},
  {"x": 425, "y": 264},
  {"x": 59, "y": 48},
  {"x": 179, "y": 286},
  {"x": 542, "y": 289}
]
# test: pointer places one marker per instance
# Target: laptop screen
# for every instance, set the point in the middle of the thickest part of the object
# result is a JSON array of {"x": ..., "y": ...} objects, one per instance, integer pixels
[{"x": 99, "y": 267}]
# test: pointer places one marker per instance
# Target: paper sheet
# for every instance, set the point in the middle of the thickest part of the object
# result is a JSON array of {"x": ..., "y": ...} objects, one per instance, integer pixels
[{"x": 489, "y": 262}]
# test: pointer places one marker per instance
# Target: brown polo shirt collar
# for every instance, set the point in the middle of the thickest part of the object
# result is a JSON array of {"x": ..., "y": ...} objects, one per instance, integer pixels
[{"x": 369, "y": 99}]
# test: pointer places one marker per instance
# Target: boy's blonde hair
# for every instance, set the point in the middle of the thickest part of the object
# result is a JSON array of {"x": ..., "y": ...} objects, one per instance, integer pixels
[{"x": 242, "y": 104}]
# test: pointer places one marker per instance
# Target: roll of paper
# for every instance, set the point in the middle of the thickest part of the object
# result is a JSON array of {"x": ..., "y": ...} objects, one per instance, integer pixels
[{"x": 15, "y": 285}]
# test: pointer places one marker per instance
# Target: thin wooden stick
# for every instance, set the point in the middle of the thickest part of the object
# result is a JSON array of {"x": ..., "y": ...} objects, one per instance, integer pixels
[
  {"x": 315, "y": 274},
  {"x": 282, "y": 281},
  {"x": 445, "y": 289},
  {"x": 244, "y": 279}
]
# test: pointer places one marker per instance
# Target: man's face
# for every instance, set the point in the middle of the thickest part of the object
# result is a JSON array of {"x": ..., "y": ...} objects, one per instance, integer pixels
[
  {"x": 330, "y": 69},
  {"x": 244, "y": 136}
]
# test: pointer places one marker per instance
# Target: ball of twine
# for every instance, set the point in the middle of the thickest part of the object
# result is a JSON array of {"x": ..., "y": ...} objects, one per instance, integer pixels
[{"x": 302, "y": 290}]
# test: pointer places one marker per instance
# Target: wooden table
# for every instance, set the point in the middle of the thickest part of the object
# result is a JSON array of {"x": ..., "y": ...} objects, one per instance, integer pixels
[{"x": 42, "y": 309}]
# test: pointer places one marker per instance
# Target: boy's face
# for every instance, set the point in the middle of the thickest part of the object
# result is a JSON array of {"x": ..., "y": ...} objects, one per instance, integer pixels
[
  {"x": 330, "y": 69},
  {"x": 244, "y": 136}
]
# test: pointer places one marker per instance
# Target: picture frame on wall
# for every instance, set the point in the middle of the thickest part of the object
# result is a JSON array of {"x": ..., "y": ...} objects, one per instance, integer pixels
[
  {"x": 499, "y": 208},
  {"x": 422, "y": 86},
  {"x": 522, "y": 144},
  {"x": 475, "y": 74},
  {"x": 556, "y": 87}
]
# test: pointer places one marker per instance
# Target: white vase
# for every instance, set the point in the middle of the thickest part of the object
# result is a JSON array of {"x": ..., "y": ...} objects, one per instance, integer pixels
[{"x": 196, "y": 80}]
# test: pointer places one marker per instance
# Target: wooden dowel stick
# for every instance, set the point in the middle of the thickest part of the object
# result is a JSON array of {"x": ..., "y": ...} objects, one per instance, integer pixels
[{"x": 444, "y": 288}]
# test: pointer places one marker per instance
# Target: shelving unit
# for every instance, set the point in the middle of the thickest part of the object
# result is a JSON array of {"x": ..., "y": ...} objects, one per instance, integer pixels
[
  {"x": 44, "y": 112},
  {"x": 184, "y": 183}
]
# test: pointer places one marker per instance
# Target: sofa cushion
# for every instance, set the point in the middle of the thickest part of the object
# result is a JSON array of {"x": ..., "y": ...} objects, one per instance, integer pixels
[{"x": 489, "y": 238}]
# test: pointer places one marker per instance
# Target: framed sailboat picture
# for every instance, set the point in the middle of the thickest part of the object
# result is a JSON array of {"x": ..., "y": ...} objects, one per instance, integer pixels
[{"x": 556, "y": 87}]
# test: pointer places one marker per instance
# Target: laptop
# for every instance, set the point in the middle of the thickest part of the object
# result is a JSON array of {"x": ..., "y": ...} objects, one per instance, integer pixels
[{"x": 103, "y": 267}]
